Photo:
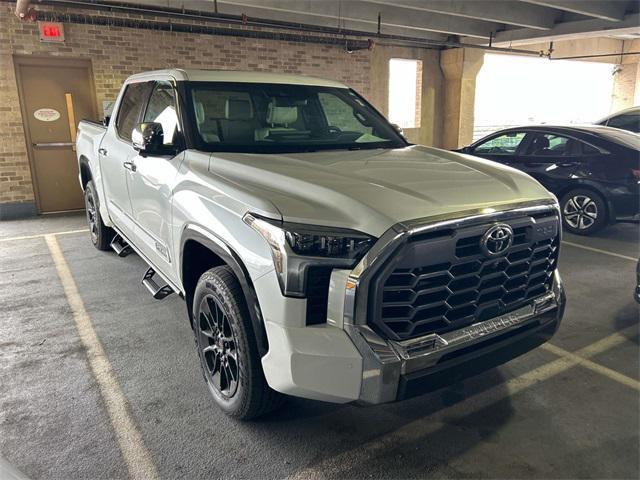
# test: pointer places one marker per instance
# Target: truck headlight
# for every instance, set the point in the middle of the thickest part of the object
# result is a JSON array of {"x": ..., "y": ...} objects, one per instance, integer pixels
[{"x": 296, "y": 247}]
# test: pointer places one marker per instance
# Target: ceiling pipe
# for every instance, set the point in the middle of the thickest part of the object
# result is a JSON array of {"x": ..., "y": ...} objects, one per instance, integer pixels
[
  {"x": 22, "y": 9},
  {"x": 380, "y": 39}
]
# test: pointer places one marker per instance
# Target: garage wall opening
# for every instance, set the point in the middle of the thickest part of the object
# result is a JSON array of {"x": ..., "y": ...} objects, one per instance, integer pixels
[
  {"x": 513, "y": 91},
  {"x": 405, "y": 92}
]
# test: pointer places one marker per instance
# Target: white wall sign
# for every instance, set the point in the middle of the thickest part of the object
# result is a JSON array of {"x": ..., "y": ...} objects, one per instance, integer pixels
[{"x": 46, "y": 114}]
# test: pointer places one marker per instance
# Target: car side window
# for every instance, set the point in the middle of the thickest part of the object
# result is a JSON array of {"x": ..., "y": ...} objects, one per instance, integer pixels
[
  {"x": 162, "y": 109},
  {"x": 547, "y": 144},
  {"x": 626, "y": 122},
  {"x": 505, "y": 144},
  {"x": 131, "y": 105}
]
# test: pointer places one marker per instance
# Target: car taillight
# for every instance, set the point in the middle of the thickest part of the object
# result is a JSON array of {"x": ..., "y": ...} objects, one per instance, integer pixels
[{"x": 636, "y": 173}]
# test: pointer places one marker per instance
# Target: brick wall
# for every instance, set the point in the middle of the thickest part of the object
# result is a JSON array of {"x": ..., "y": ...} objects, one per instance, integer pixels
[{"x": 117, "y": 52}]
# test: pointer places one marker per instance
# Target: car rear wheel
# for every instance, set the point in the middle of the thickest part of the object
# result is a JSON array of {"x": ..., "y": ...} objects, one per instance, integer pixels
[
  {"x": 584, "y": 212},
  {"x": 227, "y": 347},
  {"x": 101, "y": 235}
]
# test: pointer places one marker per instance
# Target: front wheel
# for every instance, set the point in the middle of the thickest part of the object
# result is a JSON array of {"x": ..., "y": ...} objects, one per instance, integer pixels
[
  {"x": 227, "y": 347},
  {"x": 583, "y": 211}
]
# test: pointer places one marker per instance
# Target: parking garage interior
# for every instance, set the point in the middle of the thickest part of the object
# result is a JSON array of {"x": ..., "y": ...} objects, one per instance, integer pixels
[{"x": 100, "y": 380}]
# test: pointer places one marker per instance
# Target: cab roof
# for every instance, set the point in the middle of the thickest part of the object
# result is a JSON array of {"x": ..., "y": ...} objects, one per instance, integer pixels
[{"x": 238, "y": 76}]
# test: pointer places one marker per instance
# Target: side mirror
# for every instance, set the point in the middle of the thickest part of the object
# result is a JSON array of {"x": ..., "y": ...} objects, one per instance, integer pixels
[
  {"x": 148, "y": 139},
  {"x": 398, "y": 128},
  {"x": 106, "y": 120}
]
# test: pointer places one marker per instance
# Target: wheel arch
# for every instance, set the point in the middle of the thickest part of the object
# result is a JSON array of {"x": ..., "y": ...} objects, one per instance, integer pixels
[
  {"x": 85, "y": 171},
  {"x": 201, "y": 250}
]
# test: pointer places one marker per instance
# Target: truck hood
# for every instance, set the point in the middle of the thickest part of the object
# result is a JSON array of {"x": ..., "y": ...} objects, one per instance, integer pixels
[{"x": 371, "y": 190}]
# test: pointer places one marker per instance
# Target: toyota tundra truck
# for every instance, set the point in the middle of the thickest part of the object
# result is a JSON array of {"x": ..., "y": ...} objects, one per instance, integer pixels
[{"x": 318, "y": 252}]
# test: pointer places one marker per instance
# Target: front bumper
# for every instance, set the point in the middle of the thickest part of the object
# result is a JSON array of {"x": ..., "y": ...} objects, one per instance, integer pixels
[
  {"x": 397, "y": 370},
  {"x": 345, "y": 360}
]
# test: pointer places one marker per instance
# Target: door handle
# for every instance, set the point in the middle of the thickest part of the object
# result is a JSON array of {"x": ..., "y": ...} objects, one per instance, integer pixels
[
  {"x": 130, "y": 166},
  {"x": 102, "y": 151}
]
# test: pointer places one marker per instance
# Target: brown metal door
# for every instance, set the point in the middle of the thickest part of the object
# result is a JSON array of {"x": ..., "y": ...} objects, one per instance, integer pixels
[{"x": 54, "y": 97}]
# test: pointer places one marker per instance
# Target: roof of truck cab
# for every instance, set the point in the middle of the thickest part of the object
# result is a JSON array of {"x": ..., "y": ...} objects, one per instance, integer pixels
[{"x": 235, "y": 76}]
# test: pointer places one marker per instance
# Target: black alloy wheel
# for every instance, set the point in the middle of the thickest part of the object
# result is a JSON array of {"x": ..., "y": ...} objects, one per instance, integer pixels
[
  {"x": 218, "y": 347},
  {"x": 227, "y": 347}
]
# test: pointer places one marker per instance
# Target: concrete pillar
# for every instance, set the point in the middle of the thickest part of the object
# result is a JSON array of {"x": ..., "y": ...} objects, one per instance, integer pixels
[
  {"x": 460, "y": 67},
  {"x": 626, "y": 88}
]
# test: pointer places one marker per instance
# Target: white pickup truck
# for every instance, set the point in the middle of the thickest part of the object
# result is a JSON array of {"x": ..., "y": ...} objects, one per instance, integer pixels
[{"x": 319, "y": 253}]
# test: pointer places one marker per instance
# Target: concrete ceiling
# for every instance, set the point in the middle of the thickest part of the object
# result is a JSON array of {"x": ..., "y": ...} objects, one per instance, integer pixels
[{"x": 508, "y": 22}]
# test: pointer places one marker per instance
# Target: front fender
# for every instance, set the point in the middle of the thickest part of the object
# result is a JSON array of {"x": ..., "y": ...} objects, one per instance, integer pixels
[{"x": 219, "y": 247}]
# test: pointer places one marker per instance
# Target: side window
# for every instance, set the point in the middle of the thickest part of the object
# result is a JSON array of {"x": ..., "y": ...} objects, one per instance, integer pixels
[
  {"x": 626, "y": 122},
  {"x": 162, "y": 109},
  {"x": 546, "y": 144},
  {"x": 132, "y": 103},
  {"x": 506, "y": 144}
]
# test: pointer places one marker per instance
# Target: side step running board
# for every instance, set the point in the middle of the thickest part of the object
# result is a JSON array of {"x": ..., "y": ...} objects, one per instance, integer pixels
[
  {"x": 119, "y": 246},
  {"x": 158, "y": 292}
]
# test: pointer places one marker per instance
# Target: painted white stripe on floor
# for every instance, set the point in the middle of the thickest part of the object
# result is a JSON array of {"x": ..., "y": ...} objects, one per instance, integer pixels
[
  {"x": 40, "y": 235},
  {"x": 598, "y": 250},
  {"x": 596, "y": 367},
  {"x": 136, "y": 455},
  {"x": 421, "y": 428}
]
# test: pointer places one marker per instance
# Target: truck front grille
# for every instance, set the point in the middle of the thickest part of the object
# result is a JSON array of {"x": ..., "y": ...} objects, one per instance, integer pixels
[{"x": 442, "y": 281}]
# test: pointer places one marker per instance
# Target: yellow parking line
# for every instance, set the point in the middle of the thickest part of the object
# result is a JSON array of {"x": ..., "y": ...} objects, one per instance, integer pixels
[
  {"x": 136, "y": 455},
  {"x": 40, "y": 235},
  {"x": 596, "y": 367},
  {"x": 423, "y": 427},
  {"x": 598, "y": 250}
]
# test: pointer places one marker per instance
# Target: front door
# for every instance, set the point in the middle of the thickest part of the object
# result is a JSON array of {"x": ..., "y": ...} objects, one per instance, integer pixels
[
  {"x": 54, "y": 96},
  {"x": 151, "y": 182}
]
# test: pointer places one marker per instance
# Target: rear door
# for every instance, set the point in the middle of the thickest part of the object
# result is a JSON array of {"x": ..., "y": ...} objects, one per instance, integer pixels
[
  {"x": 550, "y": 158},
  {"x": 117, "y": 154}
]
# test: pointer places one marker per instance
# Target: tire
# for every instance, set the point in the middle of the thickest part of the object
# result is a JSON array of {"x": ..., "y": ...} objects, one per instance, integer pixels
[
  {"x": 584, "y": 212},
  {"x": 101, "y": 235},
  {"x": 227, "y": 347}
]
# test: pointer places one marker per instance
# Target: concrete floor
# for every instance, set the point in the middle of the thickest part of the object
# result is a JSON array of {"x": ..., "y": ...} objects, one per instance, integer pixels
[{"x": 547, "y": 414}]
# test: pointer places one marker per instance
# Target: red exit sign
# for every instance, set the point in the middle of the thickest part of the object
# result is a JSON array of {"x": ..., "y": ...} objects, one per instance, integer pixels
[{"x": 51, "y": 31}]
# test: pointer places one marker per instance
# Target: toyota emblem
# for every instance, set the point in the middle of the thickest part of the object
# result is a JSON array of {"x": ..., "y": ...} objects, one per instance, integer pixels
[{"x": 496, "y": 240}]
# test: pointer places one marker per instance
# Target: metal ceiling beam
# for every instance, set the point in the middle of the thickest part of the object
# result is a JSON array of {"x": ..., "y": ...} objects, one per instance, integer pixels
[
  {"x": 612, "y": 10},
  {"x": 594, "y": 27},
  {"x": 522, "y": 15},
  {"x": 335, "y": 12}
]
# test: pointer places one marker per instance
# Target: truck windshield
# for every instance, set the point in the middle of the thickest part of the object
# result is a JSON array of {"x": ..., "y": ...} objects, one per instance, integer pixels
[{"x": 272, "y": 118}]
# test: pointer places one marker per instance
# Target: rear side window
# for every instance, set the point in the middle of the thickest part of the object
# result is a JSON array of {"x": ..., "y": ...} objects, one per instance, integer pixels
[
  {"x": 629, "y": 122},
  {"x": 132, "y": 103},
  {"x": 547, "y": 144}
]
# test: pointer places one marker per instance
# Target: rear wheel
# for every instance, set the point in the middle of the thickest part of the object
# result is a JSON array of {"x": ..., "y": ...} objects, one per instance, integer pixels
[
  {"x": 583, "y": 211},
  {"x": 101, "y": 235},
  {"x": 227, "y": 347}
]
